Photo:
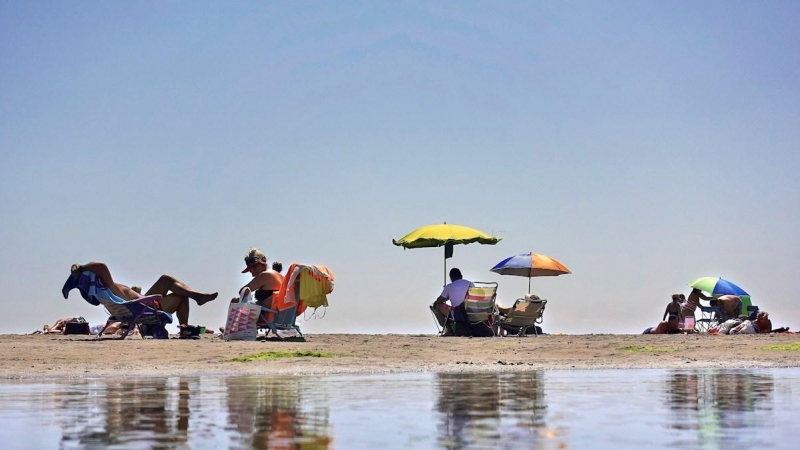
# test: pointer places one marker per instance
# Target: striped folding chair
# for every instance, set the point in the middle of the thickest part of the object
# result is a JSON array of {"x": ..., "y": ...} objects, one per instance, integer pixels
[{"x": 480, "y": 307}]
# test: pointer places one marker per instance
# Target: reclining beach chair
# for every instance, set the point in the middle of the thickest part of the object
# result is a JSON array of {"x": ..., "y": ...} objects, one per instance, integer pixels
[
  {"x": 523, "y": 316},
  {"x": 142, "y": 313},
  {"x": 304, "y": 286},
  {"x": 480, "y": 307}
]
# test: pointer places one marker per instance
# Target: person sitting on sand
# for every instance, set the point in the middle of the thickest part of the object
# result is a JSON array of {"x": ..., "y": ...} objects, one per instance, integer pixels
[
  {"x": 175, "y": 294},
  {"x": 674, "y": 307},
  {"x": 265, "y": 282},
  {"x": 670, "y": 326},
  {"x": 453, "y": 317}
]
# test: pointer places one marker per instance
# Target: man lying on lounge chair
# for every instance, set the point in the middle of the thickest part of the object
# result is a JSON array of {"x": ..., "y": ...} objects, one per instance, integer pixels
[
  {"x": 175, "y": 294},
  {"x": 670, "y": 326}
]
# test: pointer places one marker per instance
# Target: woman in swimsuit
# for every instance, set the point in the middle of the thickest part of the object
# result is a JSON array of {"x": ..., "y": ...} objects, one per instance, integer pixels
[{"x": 265, "y": 281}]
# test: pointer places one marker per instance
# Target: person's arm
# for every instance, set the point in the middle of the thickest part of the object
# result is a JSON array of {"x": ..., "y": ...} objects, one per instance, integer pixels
[
  {"x": 443, "y": 297},
  {"x": 666, "y": 313},
  {"x": 102, "y": 271}
]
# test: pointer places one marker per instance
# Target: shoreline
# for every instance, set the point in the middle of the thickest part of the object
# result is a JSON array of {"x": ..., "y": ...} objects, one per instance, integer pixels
[{"x": 74, "y": 356}]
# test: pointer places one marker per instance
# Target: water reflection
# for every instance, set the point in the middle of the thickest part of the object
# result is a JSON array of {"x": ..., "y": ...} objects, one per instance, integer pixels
[
  {"x": 118, "y": 412},
  {"x": 716, "y": 404},
  {"x": 543, "y": 410},
  {"x": 267, "y": 413},
  {"x": 480, "y": 410},
  {"x": 261, "y": 413}
]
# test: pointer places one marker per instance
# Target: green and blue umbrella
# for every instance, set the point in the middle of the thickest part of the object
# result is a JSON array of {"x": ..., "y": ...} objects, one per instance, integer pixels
[{"x": 717, "y": 286}]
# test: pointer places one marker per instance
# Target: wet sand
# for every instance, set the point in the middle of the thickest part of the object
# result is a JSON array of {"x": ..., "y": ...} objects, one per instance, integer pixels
[{"x": 56, "y": 356}]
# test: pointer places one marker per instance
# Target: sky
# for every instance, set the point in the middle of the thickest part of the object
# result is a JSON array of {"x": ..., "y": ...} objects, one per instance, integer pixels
[{"x": 641, "y": 144}]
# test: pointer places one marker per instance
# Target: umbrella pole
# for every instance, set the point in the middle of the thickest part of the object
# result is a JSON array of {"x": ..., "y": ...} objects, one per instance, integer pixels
[
  {"x": 529, "y": 285},
  {"x": 444, "y": 277}
]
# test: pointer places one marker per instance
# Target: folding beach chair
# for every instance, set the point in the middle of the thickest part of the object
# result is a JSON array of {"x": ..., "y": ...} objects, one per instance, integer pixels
[
  {"x": 142, "y": 313},
  {"x": 480, "y": 307},
  {"x": 304, "y": 286},
  {"x": 523, "y": 316},
  {"x": 710, "y": 317}
]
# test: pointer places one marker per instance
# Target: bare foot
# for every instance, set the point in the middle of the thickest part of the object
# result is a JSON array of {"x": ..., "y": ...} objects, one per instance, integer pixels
[{"x": 205, "y": 298}]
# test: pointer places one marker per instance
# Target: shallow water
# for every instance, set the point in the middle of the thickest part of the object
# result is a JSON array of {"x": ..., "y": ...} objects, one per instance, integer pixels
[{"x": 705, "y": 409}]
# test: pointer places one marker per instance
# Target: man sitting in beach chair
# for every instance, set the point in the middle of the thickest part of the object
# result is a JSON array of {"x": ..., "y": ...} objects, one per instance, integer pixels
[{"x": 452, "y": 318}]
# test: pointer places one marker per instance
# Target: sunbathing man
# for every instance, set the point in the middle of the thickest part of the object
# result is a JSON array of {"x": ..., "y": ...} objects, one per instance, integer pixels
[
  {"x": 670, "y": 326},
  {"x": 175, "y": 294}
]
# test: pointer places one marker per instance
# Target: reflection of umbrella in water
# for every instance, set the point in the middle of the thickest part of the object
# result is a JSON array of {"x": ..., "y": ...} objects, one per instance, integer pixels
[
  {"x": 717, "y": 286},
  {"x": 446, "y": 235},
  {"x": 530, "y": 265}
]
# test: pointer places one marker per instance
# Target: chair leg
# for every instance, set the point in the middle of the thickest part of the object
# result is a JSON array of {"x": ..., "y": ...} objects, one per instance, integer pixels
[{"x": 100, "y": 334}]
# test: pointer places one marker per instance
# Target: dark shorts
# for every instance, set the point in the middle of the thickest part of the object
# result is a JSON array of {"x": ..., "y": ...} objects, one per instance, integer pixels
[{"x": 647, "y": 331}]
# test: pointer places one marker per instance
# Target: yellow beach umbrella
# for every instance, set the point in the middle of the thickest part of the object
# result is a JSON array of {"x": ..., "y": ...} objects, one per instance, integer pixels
[{"x": 444, "y": 234}]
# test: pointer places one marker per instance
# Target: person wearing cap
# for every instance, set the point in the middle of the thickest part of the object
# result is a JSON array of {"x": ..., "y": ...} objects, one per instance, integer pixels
[{"x": 265, "y": 281}]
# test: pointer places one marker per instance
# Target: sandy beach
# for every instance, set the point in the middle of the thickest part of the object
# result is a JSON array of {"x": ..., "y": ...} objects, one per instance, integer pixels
[{"x": 57, "y": 356}]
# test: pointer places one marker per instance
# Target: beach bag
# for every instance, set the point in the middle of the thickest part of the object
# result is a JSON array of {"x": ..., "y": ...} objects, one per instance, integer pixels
[
  {"x": 77, "y": 325},
  {"x": 242, "y": 322}
]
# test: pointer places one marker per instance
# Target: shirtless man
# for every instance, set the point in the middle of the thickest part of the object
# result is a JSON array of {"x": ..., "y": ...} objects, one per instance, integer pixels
[
  {"x": 670, "y": 326},
  {"x": 731, "y": 304},
  {"x": 175, "y": 294}
]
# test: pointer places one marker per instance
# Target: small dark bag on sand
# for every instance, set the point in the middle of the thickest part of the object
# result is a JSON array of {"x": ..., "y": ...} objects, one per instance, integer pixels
[
  {"x": 189, "y": 332},
  {"x": 76, "y": 326}
]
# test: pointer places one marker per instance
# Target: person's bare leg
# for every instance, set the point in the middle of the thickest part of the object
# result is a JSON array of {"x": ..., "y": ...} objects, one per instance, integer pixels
[
  {"x": 168, "y": 283},
  {"x": 178, "y": 304}
]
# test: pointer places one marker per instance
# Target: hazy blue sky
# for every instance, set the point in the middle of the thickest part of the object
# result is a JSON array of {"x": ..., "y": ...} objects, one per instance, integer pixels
[{"x": 642, "y": 144}]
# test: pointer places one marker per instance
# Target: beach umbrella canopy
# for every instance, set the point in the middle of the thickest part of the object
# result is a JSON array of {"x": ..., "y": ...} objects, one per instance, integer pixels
[
  {"x": 530, "y": 265},
  {"x": 717, "y": 286},
  {"x": 444, "y": 235}
]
